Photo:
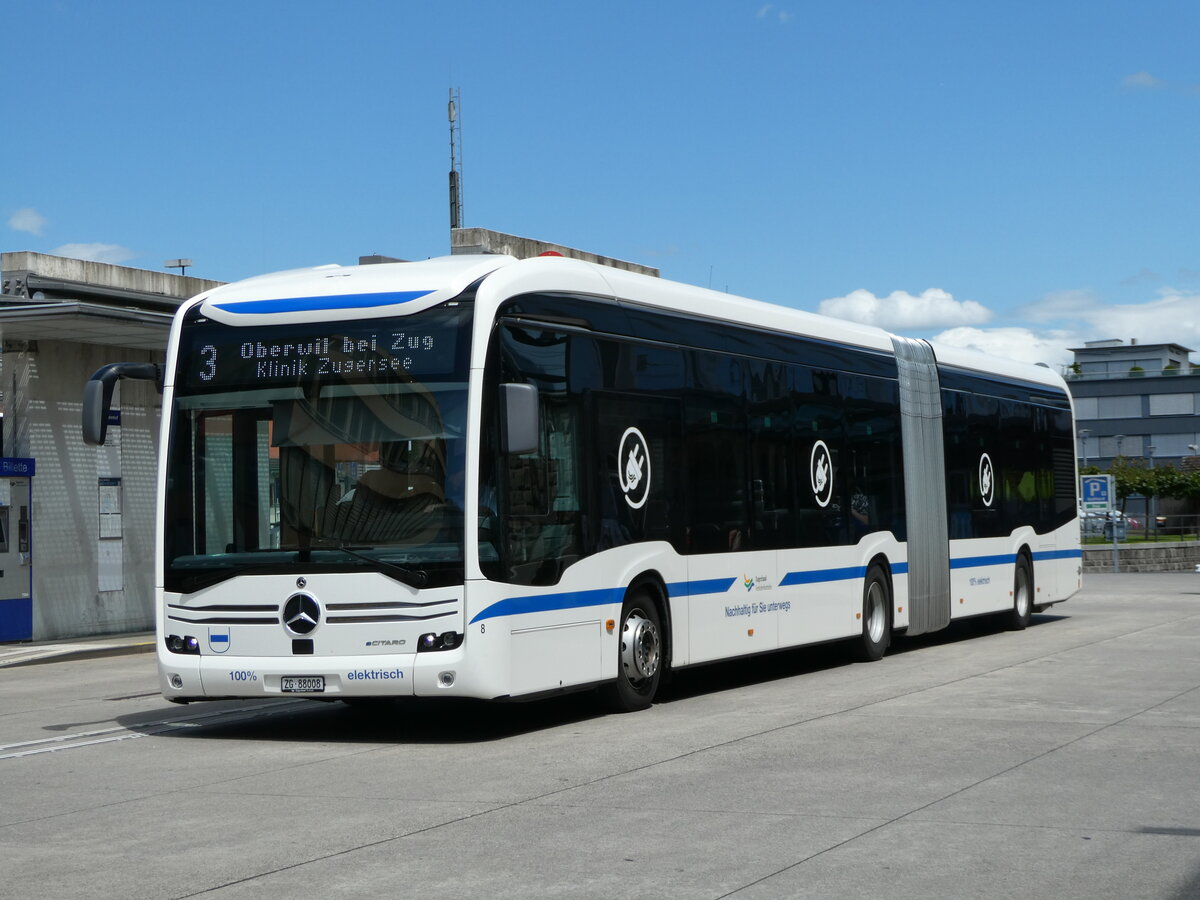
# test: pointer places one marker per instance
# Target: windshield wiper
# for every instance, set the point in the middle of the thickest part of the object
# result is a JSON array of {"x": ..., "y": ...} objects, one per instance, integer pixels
[{"x": 417, "y": 578}]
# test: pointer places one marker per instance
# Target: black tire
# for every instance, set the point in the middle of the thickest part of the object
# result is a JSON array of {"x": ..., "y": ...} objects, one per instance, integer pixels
[
  {"x": 1018, "y": 617},
  {"x": 640, "y": 658},
  {"x": 876, "y": 615}
]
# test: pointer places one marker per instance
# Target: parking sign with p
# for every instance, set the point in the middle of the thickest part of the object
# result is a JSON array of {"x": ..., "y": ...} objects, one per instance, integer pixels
[{"x": 1097, "y": 492}]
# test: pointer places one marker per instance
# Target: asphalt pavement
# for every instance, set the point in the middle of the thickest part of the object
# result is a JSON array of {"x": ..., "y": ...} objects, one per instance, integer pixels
[{"x": 1058, "y": 762}]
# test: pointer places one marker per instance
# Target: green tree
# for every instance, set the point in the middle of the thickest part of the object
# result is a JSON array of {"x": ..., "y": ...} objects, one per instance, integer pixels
[{"x": 1134, "y": 476}]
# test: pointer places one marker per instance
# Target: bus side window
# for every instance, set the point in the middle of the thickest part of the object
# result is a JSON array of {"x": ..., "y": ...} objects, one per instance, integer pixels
[{"x": 716, "y": 449}]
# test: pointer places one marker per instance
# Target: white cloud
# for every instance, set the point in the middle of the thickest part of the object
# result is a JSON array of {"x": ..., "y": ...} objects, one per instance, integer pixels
[
  {"x": 902, "y": 311},
  {"x": 105, "y": 253},
  {"x": 1038, "y": 332},
  {"x": 766, "y": 9},
  {"x": 1016, "y": 343},
  {"x": 1173, "y": 318},
  {"x": 1059, "y": 305},
  {"x": 27, "y": 219},
  {"x": 1073, "y": 317},
  {"x": 1141, "y": 81}
]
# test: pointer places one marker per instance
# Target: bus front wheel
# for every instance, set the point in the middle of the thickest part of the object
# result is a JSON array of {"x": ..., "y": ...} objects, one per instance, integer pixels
[
  {"x": 876, "y": 615},
  {"x": 640, "y": 656}
]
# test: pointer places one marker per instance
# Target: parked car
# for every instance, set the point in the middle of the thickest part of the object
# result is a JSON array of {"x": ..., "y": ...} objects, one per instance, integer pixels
[{"x": 1092, "y": 522}]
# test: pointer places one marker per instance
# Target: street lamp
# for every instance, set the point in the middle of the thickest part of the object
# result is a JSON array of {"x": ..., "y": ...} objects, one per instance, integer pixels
[
  {"x": 1120, "y": 440},
  {"x": 1083, "y": 436}
]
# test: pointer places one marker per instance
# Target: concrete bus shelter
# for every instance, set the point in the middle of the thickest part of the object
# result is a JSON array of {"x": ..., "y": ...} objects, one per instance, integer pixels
[{"x": 78, "y": 556}]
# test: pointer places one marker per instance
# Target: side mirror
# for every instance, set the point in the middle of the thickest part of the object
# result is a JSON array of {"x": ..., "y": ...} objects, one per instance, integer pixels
[
  {"x": 98, "y": 391},
  {"x": 519, "y": 410}
]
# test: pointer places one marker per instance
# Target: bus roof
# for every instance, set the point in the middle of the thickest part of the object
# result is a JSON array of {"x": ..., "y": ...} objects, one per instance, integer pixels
[{"x": 343, "y": 292}]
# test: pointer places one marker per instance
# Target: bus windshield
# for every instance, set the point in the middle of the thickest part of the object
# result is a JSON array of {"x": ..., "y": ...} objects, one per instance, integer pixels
[{"x": 336, "y": 446}]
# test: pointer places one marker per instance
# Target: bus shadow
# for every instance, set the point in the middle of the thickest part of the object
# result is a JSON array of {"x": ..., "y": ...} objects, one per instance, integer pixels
[
  {"x": 964, "y": 630},
  {"x": 406, "y": 721},
  {"x": 749, "y": 671},
  {"x": 454, "y": 721}
]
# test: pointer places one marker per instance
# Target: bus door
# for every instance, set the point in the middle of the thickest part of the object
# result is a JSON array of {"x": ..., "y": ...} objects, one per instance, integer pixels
[{"x": 16, "y": 602}]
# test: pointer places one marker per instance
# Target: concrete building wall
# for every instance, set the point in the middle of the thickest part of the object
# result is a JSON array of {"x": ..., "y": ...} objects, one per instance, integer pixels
[
  {"x": 484, "y": 240},
  {"x": 83, "y": 583},
  {"x": 24, "y": 270},
  {"x": 1128, "y": 415}
]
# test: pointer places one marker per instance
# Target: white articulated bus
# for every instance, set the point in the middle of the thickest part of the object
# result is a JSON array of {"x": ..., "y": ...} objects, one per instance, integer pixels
[{"x": 485, "y": 477}]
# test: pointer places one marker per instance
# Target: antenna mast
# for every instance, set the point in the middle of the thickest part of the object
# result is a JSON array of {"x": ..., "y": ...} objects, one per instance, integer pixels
[{"x": 456, "y": 203}]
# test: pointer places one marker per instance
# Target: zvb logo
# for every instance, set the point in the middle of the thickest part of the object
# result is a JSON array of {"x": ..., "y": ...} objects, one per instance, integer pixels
[
  {"x": 218, "y": 639},
  {"x": 633, "y": 468},
  {"x": 820, "y": 470},
  {"x": 987, "y": 480},
  {"x": 301, "y": 614}
]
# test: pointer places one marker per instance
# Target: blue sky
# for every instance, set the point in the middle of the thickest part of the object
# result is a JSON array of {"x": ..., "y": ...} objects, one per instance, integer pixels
[{"x": 1015, "y": 176}]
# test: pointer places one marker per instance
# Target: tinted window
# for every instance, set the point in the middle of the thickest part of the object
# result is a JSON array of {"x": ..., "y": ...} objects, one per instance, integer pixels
[
  {"x": 817, "y": 448},
  {"x": 1031, "y": 454},
  {"x": 715, "y": 448},
  {"x": 607, "y": 471},
  {"x": 772, "y": 462},
  {"x": 531, "y": 519},
  {"x": 873, "y": 468}
]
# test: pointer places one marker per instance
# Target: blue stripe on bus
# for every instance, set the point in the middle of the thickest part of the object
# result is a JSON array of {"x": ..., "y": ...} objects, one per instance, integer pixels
[
  {"x": 1058, "y": 554},
  {"x": 1004, "y": 559},
  {"x": 517, "y": 606},
  {"x": 817, "y": 576},
  {"x": 692, "y": 588},
  {"x": 971, "y": 562},
  {"x": 821, "y": 576},
  {"x": 307, "y": 304}
]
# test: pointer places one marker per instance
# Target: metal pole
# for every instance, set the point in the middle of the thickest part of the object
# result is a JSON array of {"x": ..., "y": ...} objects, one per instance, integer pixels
[{"x": 1153, "y": 497}]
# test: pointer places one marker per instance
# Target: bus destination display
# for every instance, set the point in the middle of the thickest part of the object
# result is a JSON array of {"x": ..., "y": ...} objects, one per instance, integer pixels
[{"x": 223, "y": 356}]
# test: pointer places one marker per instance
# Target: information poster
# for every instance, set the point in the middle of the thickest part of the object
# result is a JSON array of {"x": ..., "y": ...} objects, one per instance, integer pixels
[{"x": 110, "y": 507}]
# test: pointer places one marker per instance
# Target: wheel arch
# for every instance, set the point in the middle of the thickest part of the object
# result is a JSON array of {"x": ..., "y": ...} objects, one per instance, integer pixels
[
  {"x": 1027, "y": 552},
  {"x": 881, "y": 559}
]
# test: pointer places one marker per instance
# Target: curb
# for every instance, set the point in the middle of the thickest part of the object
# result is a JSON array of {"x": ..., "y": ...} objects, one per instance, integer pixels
[{"x": 40, "y": 654}]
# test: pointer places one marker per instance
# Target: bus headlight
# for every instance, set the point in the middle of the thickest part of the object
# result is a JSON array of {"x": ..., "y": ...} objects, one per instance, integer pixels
[
  {"x": 447, "y": 640},
  {"x": 185, "y": 644}
]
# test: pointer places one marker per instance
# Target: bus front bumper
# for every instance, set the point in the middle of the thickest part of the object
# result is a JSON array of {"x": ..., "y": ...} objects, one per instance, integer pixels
[{"x": 192, "y": 677}]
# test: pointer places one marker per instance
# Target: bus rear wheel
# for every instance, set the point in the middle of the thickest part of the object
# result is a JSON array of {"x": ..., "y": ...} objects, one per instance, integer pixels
[
  {"x": 1018, "y": 617},
  {"x": 640, "y": 656},
  {"x": 876, "y": 615}
]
